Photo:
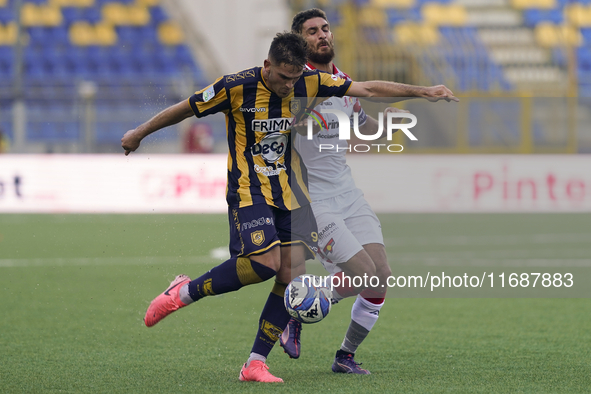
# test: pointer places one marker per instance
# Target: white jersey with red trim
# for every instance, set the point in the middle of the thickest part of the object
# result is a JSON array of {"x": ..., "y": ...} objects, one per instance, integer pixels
[{"x": 328, "y": 172}]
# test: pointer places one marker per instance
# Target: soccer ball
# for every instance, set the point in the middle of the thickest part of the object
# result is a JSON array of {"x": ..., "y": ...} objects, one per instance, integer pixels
[{"x": 306, "y": 300}]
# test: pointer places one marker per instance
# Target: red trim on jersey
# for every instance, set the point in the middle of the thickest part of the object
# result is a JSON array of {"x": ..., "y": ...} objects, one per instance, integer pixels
[{"x": 335, "y": 70}]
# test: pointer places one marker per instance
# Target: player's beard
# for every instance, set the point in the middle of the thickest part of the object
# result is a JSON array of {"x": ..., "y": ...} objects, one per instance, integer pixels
[{"x": 321, "y": 58}]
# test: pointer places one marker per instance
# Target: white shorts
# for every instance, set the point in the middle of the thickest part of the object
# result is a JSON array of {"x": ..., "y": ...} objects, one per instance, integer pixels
[{"x": 345, "y": 223}]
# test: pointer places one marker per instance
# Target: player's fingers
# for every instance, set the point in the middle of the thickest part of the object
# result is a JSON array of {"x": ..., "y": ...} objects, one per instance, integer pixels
[{"x": 450, "y": 95}]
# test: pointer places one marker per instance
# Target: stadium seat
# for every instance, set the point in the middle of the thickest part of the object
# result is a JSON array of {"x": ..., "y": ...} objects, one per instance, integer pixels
[
  {"x": 8, "y": 33},
  {"x": 578, "y": 14},
  {"x": 170, "y": 34},
  {"x": 416, "y": 34},
  {"x": 444, "y": 15},
  {"x": 393, "y": 3},
  {"x": 550, "y": 35},
  {"x": 540, "y": 4},
  {"x": 372, "y": 17}
]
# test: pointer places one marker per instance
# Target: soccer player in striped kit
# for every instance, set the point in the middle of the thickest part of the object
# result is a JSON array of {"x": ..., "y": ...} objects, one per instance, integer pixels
[{"x": 266, "y": 183}]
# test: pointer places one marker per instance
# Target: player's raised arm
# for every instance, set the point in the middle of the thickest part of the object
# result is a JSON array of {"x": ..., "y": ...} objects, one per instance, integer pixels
[
  {"x": 168, "y": 117},
  {"x": 374, "y": 89}
]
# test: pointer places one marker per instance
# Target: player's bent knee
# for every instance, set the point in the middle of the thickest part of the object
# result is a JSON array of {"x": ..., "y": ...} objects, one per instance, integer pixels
[
  {"x": 383, "y": 273},
  {"x": 270, "y": 259},
  {"x": 359, "y": 265}
]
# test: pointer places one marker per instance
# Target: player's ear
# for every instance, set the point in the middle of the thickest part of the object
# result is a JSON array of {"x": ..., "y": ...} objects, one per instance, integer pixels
[{"x": 267, "y": 64}]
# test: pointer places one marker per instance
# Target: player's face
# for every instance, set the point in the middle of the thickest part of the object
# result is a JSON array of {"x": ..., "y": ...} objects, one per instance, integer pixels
[
  {"x": 317, "y": 33},
  {"x": 281, "y": 78}
]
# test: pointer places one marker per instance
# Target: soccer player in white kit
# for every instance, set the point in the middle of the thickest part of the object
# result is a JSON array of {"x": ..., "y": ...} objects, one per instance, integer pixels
[{"x": 350, "y": 240}]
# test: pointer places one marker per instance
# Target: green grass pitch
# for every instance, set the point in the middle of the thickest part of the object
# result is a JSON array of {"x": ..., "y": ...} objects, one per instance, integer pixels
[{"x": 74, "y": 289}]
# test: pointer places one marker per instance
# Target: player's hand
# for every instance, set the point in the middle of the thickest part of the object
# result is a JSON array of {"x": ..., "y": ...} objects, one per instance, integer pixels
[
  {"x": 439, "y": 92},
  {"x": 394, "y": 110},
  {"x": 131, "y": 141}
]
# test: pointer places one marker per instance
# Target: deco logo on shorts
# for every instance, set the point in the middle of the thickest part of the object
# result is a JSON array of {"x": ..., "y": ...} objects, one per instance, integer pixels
[{"x": 257, "y": 237}]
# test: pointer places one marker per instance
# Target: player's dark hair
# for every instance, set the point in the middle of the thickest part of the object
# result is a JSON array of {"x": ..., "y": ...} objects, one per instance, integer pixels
[
  {"x": 301, "y": 17},
  {"x": 288, "y": 48}
]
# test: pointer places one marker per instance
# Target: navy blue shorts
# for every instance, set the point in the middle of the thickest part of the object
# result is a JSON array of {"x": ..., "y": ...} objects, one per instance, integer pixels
[{"x": 258, "y": 228}]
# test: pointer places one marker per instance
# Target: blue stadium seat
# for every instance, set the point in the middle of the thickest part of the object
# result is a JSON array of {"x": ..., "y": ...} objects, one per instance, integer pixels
[
  {"x": 395, "y": 15},
  {"x": 532, "y": 17},
  {"x": 137, "y": 68}
]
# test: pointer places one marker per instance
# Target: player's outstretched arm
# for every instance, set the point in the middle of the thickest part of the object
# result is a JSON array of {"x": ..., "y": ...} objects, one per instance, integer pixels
[
  {"x": 171, "y": 115},
  {"x": 401, "y": 91}
]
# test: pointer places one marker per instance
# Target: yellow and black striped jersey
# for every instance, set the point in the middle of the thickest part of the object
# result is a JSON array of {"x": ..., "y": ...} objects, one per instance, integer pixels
[{"x": 262, "y": 167}]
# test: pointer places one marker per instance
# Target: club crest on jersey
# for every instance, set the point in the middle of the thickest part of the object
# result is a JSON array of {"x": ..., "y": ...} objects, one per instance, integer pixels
[
  {"x": 294, "y": 106},
  {"x": 257, "y": 237}
]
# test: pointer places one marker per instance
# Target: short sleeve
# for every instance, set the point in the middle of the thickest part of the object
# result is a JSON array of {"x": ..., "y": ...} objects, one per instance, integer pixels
[
  {"x": 211, "y": 99},
  {"x": 330, "y": 85}
]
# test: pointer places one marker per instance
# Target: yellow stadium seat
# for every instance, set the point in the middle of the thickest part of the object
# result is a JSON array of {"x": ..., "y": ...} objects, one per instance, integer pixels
[
  {"x": 444, "y": 15},
  {"x": 410, "y": 33},
  {"x": 3, "y": 3},
  {"x": 549, "y": 35},
  {"x": 525, "y": 4},
  {"x": 147, "y": 3},
  {"x": 8, "y": 34},
  {"x": 138, "y": 15},
  {"x": 545, "y": 33},
  {"x": 115, "y": 13},
  {"x": 81, "y": 33},
  {"x": 105, "y": 34},
  {"x": 170, "y": 34},
  {"x": 120, "y": 14},
  {"x": 52, "y": 16},
  {"x": 33, "y": 15},
  {"x": 373, "y": 17},
  {"x": 29, "y": 15},
  {"x": 393, "y": 3},
  {"x": 72, "y": 3},
  {"x": 578, "y": 15},
  {"x": 84, "y": 34}
]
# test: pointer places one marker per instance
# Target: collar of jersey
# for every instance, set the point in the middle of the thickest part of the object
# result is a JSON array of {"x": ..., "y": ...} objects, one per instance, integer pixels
[
  {"x": 335, "y": 70},
  {"x": 264, "y": 82}
]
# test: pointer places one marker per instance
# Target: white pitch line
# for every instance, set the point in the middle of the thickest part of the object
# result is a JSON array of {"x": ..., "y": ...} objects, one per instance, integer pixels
[
  {"x": 490, "y": 239},
  {"x": 480, "y": 262},
  {"x": 84, "y": 261}
]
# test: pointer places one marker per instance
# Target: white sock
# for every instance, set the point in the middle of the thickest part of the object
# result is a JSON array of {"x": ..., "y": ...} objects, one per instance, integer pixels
[
  {"x": 255, "y": 356},
  {"x": 365, "y": 313},
  {"x": 184, "y": 295}
]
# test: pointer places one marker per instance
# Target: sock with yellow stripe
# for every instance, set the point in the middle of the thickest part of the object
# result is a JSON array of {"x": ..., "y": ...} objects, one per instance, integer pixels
[
  {"x": 272, "y": 322},
  {"x": 231, "y": 275}
]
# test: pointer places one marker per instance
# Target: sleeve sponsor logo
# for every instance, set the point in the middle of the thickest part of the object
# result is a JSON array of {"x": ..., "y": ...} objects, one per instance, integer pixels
[{"x": 208, "y": 94}]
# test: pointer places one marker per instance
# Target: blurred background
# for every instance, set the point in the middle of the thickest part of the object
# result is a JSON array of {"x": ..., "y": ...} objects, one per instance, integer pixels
[{"x": 76, "y": 74}]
